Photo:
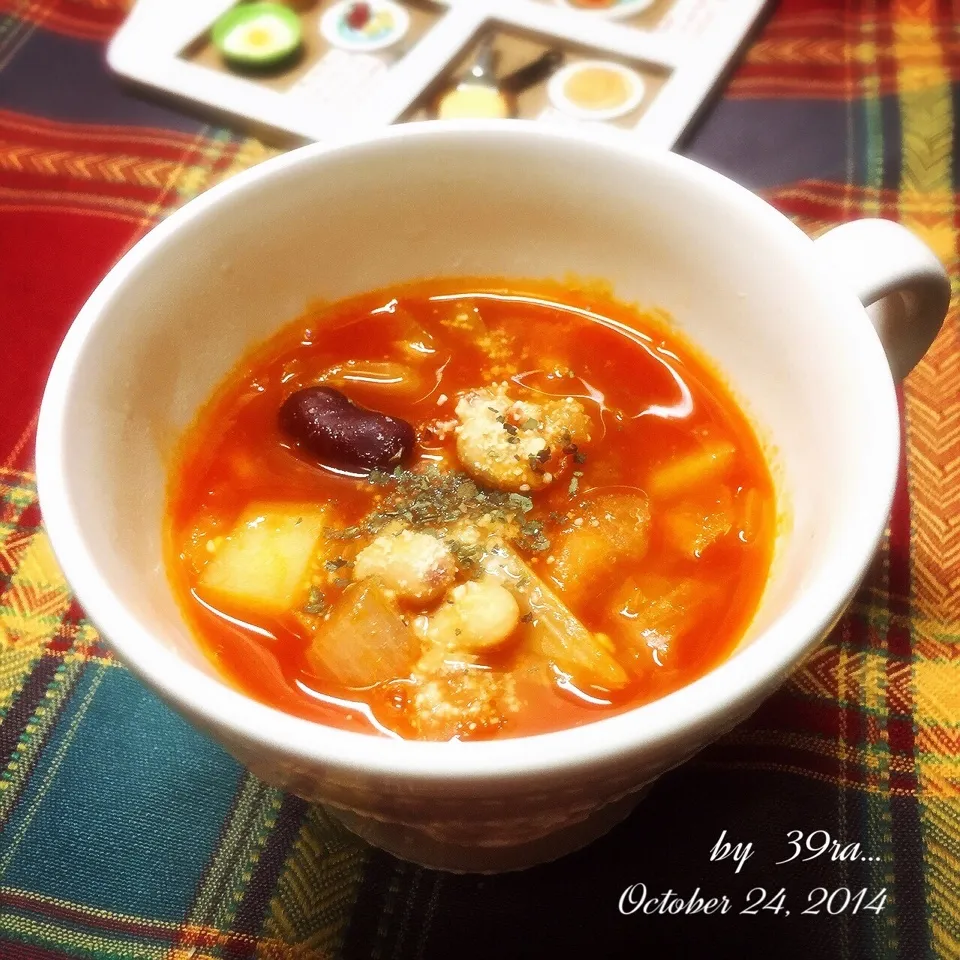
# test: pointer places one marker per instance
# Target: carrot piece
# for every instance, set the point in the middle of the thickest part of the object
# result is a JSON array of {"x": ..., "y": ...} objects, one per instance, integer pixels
[
  {"x": 693, "y": 526},
  {"x": 706, "y": 465},
  {"x": 615, "y": 528}
]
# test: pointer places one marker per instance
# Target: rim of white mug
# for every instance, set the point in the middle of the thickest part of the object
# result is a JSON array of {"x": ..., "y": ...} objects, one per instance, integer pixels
[{"x": 762, "y": 663}]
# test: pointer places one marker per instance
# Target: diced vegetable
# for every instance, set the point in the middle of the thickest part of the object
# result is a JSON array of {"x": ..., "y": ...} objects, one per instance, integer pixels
[
  {"x": 693, "y": 526},
  {"x": 364, "y": 641},
  {"x": 583, "y": 556},
  {"x": 706, "y": 465},
  {"x": 649, "y": 614},
  {"x": 478, "y": 616},
  {"x": 614, "y": 529},
  {"x": 410, "y": 336},
  {"x": 368, "y": 378},
  {"x": 262, "y": 564},
  {"x": 657, "y": 605},
  {"x": 623, "y": 517},
  {"x": 564, "y": 640}
]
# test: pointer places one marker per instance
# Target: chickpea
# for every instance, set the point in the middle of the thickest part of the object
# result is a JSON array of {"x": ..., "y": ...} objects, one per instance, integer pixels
[
  {"x": 516, "y": 445},
  {"x": 414, "y": 566},
  {"x": 479, "y": 615}
]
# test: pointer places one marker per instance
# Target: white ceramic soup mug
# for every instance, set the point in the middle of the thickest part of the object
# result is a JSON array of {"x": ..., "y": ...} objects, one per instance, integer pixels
[{"x": 782, "y": 316}]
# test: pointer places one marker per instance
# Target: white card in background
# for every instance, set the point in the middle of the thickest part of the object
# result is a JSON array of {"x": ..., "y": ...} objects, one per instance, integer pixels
[
  {"x": 690, "y": 46},
  {"x": 690, "y": 19},
  {"x": 340, "y": 83}
]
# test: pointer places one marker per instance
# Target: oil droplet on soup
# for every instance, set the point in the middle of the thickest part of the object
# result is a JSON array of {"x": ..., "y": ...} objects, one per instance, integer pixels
[{"x": 469, "y": 509}]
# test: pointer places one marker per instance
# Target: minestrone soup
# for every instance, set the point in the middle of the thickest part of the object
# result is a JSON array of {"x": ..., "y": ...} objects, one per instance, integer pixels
[{"x": 469, "y": 509}]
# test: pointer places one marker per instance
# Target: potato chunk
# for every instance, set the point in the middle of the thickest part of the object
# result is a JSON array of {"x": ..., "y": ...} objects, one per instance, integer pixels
[
  {"x": 516, "y": 444},
  {"x": 415, "y": 566},
  {"x": 706, "y": 465},
  {"x": 478, "y": 616},
  {"x": 563, "y": 639},
  {"x": 364, "y": 641},
  {"x": 262, "y": 564}
]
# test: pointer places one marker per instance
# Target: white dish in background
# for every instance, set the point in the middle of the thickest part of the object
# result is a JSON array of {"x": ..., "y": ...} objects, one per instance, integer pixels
[
  {"x": 556, "y": 90},
  {"x": 333, "y": 19}
]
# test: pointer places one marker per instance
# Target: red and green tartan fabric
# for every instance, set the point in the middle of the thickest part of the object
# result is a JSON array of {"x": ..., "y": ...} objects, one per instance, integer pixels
[{"x": 125, "y": 834}]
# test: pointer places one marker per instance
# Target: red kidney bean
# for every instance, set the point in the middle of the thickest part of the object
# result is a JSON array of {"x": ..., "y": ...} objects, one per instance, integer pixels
[{"x": 331, "y": 427}]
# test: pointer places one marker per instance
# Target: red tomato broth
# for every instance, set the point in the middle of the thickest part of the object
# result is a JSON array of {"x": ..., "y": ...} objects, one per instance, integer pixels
[{"x": 625, "y": 362}]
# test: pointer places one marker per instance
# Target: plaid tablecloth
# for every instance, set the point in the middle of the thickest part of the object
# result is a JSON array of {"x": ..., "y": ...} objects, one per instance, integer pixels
[{"x": 125, "y": 834}]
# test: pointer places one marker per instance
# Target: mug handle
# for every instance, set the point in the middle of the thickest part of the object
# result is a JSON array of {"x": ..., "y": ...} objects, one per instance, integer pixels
[{"x": 898, "y": 277}]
